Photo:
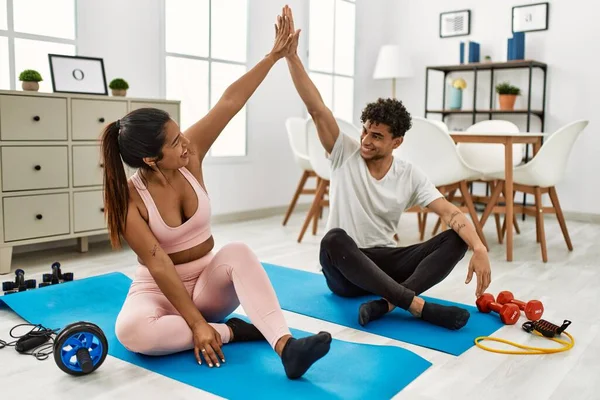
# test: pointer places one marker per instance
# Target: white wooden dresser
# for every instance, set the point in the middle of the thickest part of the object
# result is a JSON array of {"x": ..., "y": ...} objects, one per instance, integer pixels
[{"x": 50, "y": 165}]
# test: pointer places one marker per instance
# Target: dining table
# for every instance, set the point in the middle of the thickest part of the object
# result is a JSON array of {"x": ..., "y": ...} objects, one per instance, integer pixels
[{"x": 506, "y": 139}]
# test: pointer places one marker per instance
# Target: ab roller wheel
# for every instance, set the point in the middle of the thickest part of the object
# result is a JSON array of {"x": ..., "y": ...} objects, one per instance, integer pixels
[{"x": 80, "y": 348}]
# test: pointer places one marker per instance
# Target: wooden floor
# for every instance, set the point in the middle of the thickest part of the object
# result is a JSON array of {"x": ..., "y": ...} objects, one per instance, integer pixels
[{"x": 568, "y": 285}]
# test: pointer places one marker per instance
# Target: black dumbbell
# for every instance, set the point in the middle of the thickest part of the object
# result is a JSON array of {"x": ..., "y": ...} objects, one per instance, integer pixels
[
  {"x": 57, "y": 276},
  {"x": 20, "y": 284}
]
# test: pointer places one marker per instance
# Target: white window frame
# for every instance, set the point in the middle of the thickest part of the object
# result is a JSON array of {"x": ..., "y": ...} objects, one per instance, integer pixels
[
  {"x": 333, "y": 74},
  {"x": 12, "y": 35},
  {"x": 209, "y": 159}
]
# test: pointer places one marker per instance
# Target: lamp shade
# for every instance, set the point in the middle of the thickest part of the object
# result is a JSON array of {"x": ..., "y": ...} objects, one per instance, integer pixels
[{"x": 392, "y": 63}]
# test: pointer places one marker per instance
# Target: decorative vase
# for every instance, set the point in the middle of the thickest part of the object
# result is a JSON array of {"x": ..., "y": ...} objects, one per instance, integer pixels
[
  {"x": 455, "y": 98},
  {"x": 119, "y": 92},
  {"x": 30, "y": 86},
  {"x": 507, "y": 101}
]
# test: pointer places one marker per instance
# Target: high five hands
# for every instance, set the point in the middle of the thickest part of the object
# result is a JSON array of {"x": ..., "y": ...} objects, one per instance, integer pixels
[{"x": 286, "y": 37}]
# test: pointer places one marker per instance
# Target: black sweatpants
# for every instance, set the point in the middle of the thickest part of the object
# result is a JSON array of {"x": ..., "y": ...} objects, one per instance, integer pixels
[{"x": 394, "y": 273}]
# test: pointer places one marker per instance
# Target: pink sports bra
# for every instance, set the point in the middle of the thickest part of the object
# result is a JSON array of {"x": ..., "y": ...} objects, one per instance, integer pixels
[{"x": 187, "y": 235}]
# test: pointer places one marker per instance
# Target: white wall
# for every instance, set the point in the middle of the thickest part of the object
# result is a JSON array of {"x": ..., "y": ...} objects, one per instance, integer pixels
[{"x": 568, "y": 47}]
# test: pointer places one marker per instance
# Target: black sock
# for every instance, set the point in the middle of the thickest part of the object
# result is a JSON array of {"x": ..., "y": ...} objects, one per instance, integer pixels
[
  {"x": 243, "y": 331},
  {"x": 372, "y": 310},
  {"x": 449, "y": 317},
  {"x": 299, "y": 354}
]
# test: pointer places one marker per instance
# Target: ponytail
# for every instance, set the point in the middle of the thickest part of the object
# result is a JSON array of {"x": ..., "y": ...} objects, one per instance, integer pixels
[{"x": 116, "y": 191}]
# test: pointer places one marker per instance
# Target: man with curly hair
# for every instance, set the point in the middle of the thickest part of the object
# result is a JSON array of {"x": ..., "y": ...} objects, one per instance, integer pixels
[{"x": 369, "y": 190}]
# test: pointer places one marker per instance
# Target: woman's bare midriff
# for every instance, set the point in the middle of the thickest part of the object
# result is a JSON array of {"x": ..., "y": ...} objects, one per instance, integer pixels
[{"x": 194, "y": 253}]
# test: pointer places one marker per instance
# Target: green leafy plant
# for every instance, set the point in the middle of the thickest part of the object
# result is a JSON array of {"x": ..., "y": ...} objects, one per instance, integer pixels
[
  {"x": 30, "y": 75},
  {"x": 507, "y": 88},
  {"x": 118, "y": 83}
]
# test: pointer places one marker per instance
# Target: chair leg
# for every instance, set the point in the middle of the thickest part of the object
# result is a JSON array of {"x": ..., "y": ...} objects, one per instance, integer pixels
[
  {"x": 469, "y": 202},
  {"x": 320, "y": 210},
  {"x": 539, "y": 216},
  {"x": 498, "y": 227},
  {"x": 423, "y": 225},
  {"x": 560, "y": 217},
  {"x": 492, "y": 203},
  {"x": 314, "y": 209},
  {"x": 299, "y": 189}
]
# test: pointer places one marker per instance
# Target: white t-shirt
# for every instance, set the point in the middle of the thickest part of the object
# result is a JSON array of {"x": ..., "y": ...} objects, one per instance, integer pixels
[{"x": 368, "y": 209}]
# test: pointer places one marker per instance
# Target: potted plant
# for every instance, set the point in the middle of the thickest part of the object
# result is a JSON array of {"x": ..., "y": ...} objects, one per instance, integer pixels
[
  {"x": 119, "y": 87},
  {"x": 508, "y": 95},
  {"x": 30, "y": 79},
  {"x": 456, "y": 88}
]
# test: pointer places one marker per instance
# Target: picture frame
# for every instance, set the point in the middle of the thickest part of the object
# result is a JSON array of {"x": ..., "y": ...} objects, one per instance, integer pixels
[
  {"x": 455, "y": 23},
  {"x": 77, "y": 74},
  {"x": 530, "y": 17}
]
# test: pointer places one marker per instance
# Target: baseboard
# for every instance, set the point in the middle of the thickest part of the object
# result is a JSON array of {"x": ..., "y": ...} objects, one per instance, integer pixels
[
  {"x": 582, "y": 217},
  {"x": 257, "y": 214}
]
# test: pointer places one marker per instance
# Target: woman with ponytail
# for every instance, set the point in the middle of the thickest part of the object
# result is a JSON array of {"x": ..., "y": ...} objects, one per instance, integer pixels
[{"x": 182, "y": 288}]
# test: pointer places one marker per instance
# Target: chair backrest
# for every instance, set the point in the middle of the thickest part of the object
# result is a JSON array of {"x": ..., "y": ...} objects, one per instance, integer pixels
[
  {"x": 430, "y": 148},
  {"x": 439, "y": 123},
  {"x": 493, "y": 125},
  {"x": 296, "y": 131},
  {"x": 489, "y": 157},
  {"x": 317, "y": 154},
  {"x": 550, "y": 163},
  {"x": 349, "y": 128}
]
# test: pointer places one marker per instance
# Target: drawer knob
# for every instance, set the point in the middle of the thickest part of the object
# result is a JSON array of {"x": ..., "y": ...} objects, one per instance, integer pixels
[
  {"x": 101, "y": 119},
  {"x": 102, "y": 209},
  {"x": 101, "y": 165},
  {"x": 36, "y": 118},
  {"x": 37, "y": 167},
  {"x": 39, "y": 216}
]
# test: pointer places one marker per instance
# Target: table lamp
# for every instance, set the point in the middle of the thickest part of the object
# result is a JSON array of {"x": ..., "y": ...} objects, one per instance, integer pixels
[{"x": 392, "y": 63}]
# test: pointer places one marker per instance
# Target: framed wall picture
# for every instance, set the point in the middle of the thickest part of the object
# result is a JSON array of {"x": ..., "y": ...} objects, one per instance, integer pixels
[
  {"x": 530, "y": 17},
  {"x": 455, "y": 23},
  {"x": 74, "y": 74}
]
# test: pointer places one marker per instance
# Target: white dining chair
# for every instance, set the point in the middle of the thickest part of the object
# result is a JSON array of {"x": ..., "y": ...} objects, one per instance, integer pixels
[
  {"x": 489, "y": 158},
  {"x": 296, "y": 132},
  {"x": 541, "y": 175},
  {"x": 430, "y": 148}
]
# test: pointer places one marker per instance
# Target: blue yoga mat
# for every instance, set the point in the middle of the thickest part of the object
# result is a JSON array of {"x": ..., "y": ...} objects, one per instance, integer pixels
[
  {"x": 307, "y": 293},
  {"x": 252, "y": 369}
]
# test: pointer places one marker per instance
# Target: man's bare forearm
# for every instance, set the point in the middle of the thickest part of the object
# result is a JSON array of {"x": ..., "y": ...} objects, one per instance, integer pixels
[{"x": 465, "y": 229}]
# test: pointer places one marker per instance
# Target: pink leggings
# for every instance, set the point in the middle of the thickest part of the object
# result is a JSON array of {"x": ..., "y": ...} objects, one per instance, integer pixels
[{"x": 217, "y": 283}]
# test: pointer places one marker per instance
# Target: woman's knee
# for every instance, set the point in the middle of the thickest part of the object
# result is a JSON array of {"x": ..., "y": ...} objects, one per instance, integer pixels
[{"x": 134, "y": 335}]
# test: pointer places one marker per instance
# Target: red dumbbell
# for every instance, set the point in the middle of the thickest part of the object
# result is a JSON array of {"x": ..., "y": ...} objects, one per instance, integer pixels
[
  {"x": 533, "y": 308},
  {"x": 509, "y": 313}
]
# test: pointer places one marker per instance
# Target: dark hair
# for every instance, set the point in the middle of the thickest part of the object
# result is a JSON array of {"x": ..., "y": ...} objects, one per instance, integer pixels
[
  {"x": 139, "y": 134},
  {"x": 390, "y": 112}
]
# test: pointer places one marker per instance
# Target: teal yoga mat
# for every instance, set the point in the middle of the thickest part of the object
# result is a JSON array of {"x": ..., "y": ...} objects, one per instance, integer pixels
[
  {"x": 307, "y": 293},
  {"x": 252, "y": 369}
]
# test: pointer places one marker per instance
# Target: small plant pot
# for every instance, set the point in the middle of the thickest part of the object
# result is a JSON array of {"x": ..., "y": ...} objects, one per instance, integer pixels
[
  {"x": 30, "y": 86},
  {"x": 507, "y": 101},
  {"x": 119, "y": 92}
]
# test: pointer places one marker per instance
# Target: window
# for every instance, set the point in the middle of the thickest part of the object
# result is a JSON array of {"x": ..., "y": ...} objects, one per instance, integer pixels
[
  {"x": 205, "y": 52},
  {"x": 331, "y": 53},
  {"x": 27, "y": 37}
]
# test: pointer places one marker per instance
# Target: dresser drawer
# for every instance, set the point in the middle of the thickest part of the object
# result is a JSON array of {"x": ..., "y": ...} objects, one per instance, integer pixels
[
  {"x": 87, "y": 166},
  {"x": 91, "y": 116},
  {"x": 28, "y": 217},
  {"x": 28, "y": 168},
  {"x": 33, "y": 118},
  {"x": 172, "y": 109},
  {"x": 88, "y": 211}
]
